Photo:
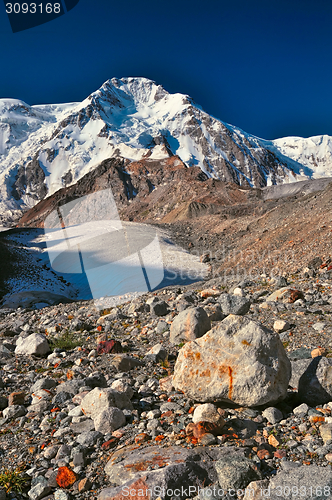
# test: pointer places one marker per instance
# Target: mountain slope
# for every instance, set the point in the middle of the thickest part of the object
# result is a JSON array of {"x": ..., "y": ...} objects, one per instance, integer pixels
[{"x": 45, "y": 148}]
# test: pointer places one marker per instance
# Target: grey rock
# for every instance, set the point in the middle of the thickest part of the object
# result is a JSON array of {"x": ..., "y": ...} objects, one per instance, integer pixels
[
  {"x": 51, "y": 451},
  {"x": 156, "y": 353},
  {"x": 279, "y": 282},
  {"x": 162, "y": 327},
  {"x": 61, "y": 398},
  {"x": 301, "y": 353},
  {"x": 245, "y": 428},
  {"x": 96, "y": 380},
  {"x": 319, "y": 327},
  {"x": 326, "y": 432},
  {"x": 315, "y": 385},
  {"x": 14, "y": 411},
  {"x": 206, "y": 413},
  {"x": 109, "y": 420},
  {"x": 89, "y": 438},
  {"x": 189, "y": 325},
  {"x": 239, "y": 360},
  {"x": 72, "y": 387},
  {"x": 272, "y": 415},
  {"x": 171, "y": 467},
  {"x": 214, "y": 312},
  {"x": 98, "y": 400},
  {"x": 301, "y": 410},
  {"x": 159, "y": 308},
  {"x": 298, "y": 368},
  {"x": 61, "y": 495},
  {"x": 122, "y": 386},
  {"x": 43, "y": 383},
  {"x": 123, "y": 362},
  {"x": 81, "y": 427},
  {"x": 35, "y": 344},
  {"x": 63, "y": 451},
  {"x": 233, "y": 304},
  {"x": 236, "y": 472},
  {"x": 39, "y": 491},
  {"x": 3, "y": 402}
]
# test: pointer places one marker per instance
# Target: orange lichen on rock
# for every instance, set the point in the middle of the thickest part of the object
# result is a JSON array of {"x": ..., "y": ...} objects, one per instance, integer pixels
[{"x": 65, "y": 477}]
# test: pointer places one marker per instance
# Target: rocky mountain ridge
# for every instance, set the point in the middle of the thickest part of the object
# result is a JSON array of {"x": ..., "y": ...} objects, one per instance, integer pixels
[{"x": 47, "y": 147}]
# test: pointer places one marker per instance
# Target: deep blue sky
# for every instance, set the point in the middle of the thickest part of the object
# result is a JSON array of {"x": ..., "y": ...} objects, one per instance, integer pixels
[{"x": 265, "y": 66}]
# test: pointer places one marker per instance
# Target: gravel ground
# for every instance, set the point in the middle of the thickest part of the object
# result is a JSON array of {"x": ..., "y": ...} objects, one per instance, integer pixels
[{"x": 42, "y": 433}]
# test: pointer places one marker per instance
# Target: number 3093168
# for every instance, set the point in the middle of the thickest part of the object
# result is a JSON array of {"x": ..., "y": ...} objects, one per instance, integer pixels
[{"x": 33, "y": 8}]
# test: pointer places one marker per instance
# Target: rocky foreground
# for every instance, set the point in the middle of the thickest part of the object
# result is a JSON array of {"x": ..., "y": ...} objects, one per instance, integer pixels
[{"x": 211, "y": 391}]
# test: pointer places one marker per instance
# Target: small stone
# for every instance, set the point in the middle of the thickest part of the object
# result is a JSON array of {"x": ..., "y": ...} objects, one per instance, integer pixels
[
  {"x": 190, "y": 324},
  {"x": 109, "y": 346},
  {"x": 236, "y": 472},
  {"x": 264, "y": 454},
  {"x": 319, "y": 351},
  {"x": 207, "y": 439},
  {"x": 280, "y": 454},
  {"x": 326, "y": 432},
  {"x": 79, "y": 459},
  {"x": 159, "y": 308},
  {"x": 319, "y": 327},
  {"x": 272, "y": 415},
  {"x": 121, "y": 386},
  {"x": 157, "y": 353},
  {"x": 328, "y": 457},
  {"x": 109, "y": 420},
  {"x": 51, "y": 451},
  {"x": 16, "y": 398},
  {"x": 301, "y": 410},
  {"x": 61, "y": 495},
  {"x": 39, "y": 491},
  {"x": 142, "y": 438},
  {"x": 88, "y": 439},
  {"x": 208, "y": 413},
  {"x": 280, "y": 326},
  {"x": 273, "y": 441},
  {"x": 84, "y": 485},
  {"x": 33, "y": 344},
  {"x": 14, "y": 411}
]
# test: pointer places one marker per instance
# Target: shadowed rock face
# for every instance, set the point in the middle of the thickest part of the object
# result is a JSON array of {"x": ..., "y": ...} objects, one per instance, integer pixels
[
  {"x": 30, "y": 180},
  {"x": 147, "y": 190}
]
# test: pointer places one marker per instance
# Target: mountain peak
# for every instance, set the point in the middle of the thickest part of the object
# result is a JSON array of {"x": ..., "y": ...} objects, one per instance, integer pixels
[{"x": 46, "y": 147}]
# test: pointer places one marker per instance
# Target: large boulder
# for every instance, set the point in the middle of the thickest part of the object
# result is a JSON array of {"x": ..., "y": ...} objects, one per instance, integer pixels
[
  {"x": 315, "y": 385},
  {"x": 233, "y": 304},
  {"x": 33, "y": 344},
  {"x": 190, "y": 324},
  {"x": 133, "y": 470},
  {"x": 238, "y": 361}
]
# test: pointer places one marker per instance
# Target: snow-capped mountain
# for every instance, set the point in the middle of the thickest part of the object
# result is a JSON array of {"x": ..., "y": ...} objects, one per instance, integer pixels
[
  {"x": 313, "y": 152},
  {"x": 45, "y": 148}
]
